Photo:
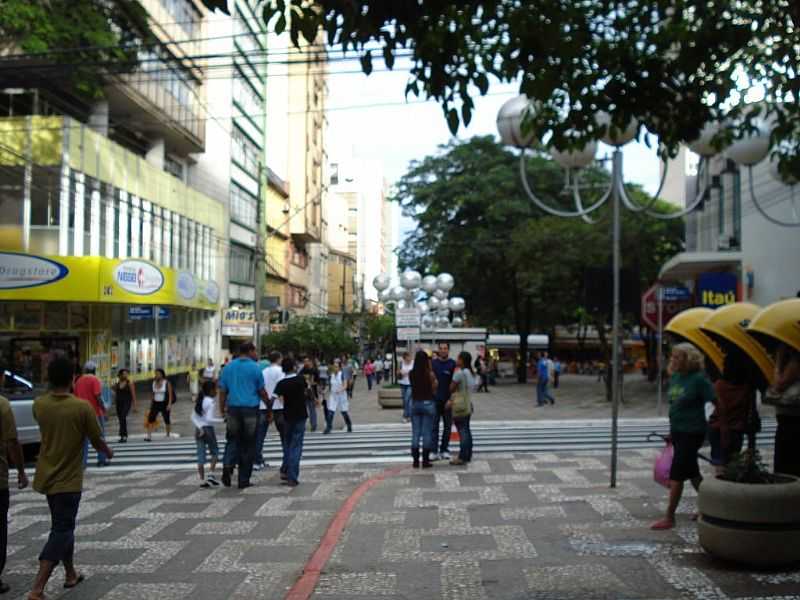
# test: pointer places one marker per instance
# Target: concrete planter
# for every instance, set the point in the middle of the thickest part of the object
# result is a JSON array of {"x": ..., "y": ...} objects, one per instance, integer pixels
[
  {"x": 752, "y": 524},
  {"x": 390, "y": 398}
]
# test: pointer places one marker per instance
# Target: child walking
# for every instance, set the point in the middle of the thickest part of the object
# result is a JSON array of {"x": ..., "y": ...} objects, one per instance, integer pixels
[{"x": 203, "y": 418}]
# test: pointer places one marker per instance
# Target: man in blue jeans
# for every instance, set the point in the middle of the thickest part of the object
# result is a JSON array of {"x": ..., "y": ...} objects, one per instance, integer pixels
[
  {"x": 241, "y": 390},
  {"x": 542, "y": 381},
  {"x": 443, "y": 368},
  {"x": 292, "y": 391}
]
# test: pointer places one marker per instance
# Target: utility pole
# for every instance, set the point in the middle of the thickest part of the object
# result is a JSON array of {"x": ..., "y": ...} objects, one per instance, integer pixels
[{"x": 261, "y": 246}]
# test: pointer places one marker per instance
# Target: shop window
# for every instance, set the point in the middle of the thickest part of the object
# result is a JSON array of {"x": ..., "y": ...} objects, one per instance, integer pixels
[
  {"x": 79, "y": 316},
  {"x": 28, "y": 316},
  {"x": 56, "y": 316}
]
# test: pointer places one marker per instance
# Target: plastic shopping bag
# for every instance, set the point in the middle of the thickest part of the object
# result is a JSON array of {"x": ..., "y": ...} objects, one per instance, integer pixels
[{"x": 663, "y": 464}]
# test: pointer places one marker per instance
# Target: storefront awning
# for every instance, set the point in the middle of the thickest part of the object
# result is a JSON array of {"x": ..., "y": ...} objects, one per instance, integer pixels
[{"x": 688, "y": 265}]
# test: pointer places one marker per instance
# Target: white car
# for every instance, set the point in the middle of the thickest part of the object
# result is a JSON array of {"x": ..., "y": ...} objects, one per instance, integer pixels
[{"x": 20, "y": 393}]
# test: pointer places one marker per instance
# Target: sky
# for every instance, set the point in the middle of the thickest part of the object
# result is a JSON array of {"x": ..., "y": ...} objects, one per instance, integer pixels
[{"x": 368, "y": 117}]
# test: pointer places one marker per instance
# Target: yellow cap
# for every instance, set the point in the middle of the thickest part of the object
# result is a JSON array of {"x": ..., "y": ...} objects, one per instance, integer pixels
[
  {"x": 778, "y": 322},
  {"x": 686, "y": 325},
  {"x": 729, "y": 323}
]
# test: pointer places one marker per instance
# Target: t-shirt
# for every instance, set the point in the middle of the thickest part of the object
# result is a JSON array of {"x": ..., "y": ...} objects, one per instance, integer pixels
[
  {"x": 542, "y": 372},
  {"x": 323, "y": 372},
  {"x": 208, "y": 418},
  {"x": 443, "y": 369},
  {"x": 292, "y": 389},
  {"x": 208, "y": 373},
  {"x": 88, "y": 387},
  {"x": 466, "y": 383},
  {"x": 64, "y": 422},
  {"x": 347, "y": 372},
  {"x": 405, "y": 369},
  {"x": 688, "y": 394},
  {"x": 242, "y": 380},
  {"x": 8, "y": 432},
  {"x": 272, "y": 375}
]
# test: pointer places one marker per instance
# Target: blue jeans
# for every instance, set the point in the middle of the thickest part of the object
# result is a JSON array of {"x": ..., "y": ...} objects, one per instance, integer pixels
[
  {"x": 370, "y": 381},
  {"x": 542, "y": 393},
  {"x": 60, "y": 545},
  {"x": 280, "y": 425},
  {"x": 311, "y": 407},
  {"x": 423, "y": 412},
  {"x": 405, "y": 391},
  {"x": 261, "y": 435},
  {"x": 295, "y": 431},
  {"x": 209, "y": 440},
  {"x": 465, "y": 433},
  {"x": 446, "y": 416},
  {"x": 241, "y": 430},
  {"x": 101, "y": 458}
]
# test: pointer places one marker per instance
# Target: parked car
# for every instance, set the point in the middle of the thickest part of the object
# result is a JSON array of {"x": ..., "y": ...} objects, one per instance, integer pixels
[{"x": 20, "y": 393}]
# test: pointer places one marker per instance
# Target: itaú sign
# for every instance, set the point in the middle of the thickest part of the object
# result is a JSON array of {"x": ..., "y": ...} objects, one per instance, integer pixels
[
  {"x": 19, "y": 271},
  {"x": 138, "y": 277}
]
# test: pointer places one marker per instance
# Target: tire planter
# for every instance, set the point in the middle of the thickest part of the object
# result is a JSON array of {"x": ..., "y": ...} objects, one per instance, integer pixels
[
  {"x": 390, "y": 398},
  {"x": 752, "y": 524}
]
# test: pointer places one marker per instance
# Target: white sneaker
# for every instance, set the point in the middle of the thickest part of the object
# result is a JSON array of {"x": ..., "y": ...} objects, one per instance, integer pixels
[
  {"x": 435, "y": 456},
  {"x": 444, "y": 455},
  {"x": 212, "y": 480}
]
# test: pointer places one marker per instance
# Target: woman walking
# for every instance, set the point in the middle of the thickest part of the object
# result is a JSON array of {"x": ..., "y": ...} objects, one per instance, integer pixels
[
  {"x": 160, "y": 403},
  {"x": 423, "y": 409},
  {"x": 369, "y": 373},
  {"x": 125, "y": 400},
  {"x": 461, "y": 404},
  {"x": 205, "y": 437},
  {"x": 405, "y": 384},
  {"x": 337, "y": 400},
  {"x": 689, "y": 391}
]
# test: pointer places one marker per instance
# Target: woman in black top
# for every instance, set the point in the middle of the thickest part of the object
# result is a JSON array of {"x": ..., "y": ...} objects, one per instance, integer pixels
[
  {"x": 423, "y": 408},
  {"x": 125, "y": 398}
]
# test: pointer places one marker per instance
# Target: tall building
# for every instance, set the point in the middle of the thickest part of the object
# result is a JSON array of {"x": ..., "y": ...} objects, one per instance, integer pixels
[{"x": 112, "y": 238}]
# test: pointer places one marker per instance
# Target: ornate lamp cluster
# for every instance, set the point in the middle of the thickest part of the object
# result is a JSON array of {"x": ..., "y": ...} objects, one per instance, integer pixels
[{"x": 430, "y": 295}]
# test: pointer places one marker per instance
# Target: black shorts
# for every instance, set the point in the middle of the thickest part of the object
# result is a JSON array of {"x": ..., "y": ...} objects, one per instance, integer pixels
[
  {"x": 684, "y": 461},
  {"x": 720, "y": 455},
  {"x": 155, "y": 409}
]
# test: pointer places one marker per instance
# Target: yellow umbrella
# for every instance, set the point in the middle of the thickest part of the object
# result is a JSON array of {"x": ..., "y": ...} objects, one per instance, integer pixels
[
  {"x": 686, "y": 325},
  {"x": 778, "y": 322},
  {"x": 729, "y": 323}
]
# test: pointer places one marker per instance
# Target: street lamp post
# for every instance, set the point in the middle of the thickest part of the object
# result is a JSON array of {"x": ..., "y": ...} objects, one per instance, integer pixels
[{"x": 747, "y": 151}]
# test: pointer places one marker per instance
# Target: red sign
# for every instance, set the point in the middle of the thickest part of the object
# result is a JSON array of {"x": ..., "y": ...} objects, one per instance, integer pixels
[{"x": 674, "y": 299}]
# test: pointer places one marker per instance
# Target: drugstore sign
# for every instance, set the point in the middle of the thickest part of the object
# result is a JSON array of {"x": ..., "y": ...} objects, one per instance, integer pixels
[{"x": 18, "y": 271}]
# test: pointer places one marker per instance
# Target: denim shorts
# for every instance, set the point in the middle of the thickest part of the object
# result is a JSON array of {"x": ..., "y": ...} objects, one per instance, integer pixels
[{"x": 207, "y": 440}]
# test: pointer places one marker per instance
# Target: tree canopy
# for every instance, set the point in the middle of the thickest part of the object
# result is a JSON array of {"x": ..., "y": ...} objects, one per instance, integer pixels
[
  {"x": 672, "y": 64},
  {"x": 315, "y": 336},
  {"x": 519, "y": 271}
]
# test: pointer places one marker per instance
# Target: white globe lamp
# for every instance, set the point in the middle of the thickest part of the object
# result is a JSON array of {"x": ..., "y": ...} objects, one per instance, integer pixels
[
  {"x": 457, "y": 304},
  {"x": 510, "y": 119},
  {"x": 445, "y": 282},
  {"x": 575, "y": 159},
  {"x": 429, "y": 283},
  {"x": 410, "y": 279},
  {"x": 614, "y": 136}
]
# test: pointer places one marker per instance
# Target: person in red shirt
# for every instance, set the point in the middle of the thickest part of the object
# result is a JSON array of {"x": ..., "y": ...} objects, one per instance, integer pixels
[{"x": 88, "y": 387}]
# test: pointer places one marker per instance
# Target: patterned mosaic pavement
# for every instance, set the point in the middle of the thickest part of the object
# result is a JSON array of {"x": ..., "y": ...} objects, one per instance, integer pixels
[{"x": 514, "y": 526}]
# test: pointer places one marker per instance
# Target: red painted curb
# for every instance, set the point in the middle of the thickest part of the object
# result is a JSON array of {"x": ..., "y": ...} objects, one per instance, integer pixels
[{"x": 304, "y": 587}]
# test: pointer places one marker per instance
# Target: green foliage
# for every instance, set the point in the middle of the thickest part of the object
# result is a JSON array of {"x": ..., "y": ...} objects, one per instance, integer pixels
[
  {"x": 380, "y": 330},
  {"x": 748, "y": 467},
  {"x": 316, "y": 336},
  {"x": 671, "y": 64},
  {"x": 80, "y": 41}
]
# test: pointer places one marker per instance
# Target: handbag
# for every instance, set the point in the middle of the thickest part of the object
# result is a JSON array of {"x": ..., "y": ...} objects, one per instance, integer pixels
[
  {"x": 462, "y": 406},
  {"x": 790, "y": 397},
  {"x": 663, "y": 465}
]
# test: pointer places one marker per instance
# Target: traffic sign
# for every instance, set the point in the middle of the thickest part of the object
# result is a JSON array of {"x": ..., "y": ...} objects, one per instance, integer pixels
[
  {"x": 674, "y": 299},
  {"x": 405, "y": 334},
  {"x": 407, "y": 317}
]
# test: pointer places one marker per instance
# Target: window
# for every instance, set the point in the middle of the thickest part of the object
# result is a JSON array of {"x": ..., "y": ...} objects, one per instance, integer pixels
[
  {"x": 246, "y": 97},
  {"x": 244, "y": 207},
  {"x": 245, "y": 152},
  {"x": 183, "y": 15},
  {"x": 242, "y": 270},
  {"x": 173, "y": 167},
  {"x": 298, "y": 296},
  {"x": 299, "y": 257}
]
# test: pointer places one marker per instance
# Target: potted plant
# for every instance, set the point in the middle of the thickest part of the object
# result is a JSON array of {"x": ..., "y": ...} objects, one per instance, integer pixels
[{"x": 390, "y": 396}]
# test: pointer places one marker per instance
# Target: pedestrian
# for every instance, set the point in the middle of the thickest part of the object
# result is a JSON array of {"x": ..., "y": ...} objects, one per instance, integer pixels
[
  {"x": 338, "y": 400},
  {"x": 241, "y": 389},
  {"x": 556, "y": 372},
  {"x": 160, "y": 404},
  {"x": 324, "y": 380},
  {"x": 10, "y": 456},
  {"x": 64, "y": 422},
  {"x": 264, "y": 419},
  {"x": 348, "y": 377},
  {"x": 460, "y": 404},
  {"x": 406, "y": 364},
  {"x": 423, "y": 409},
  {"x": 310, "y": 375},
  {"x": 292, "y": 392},
  {"x": 369, "y": 373},
  {"x": 125, "y": 400},
  {"x": 542, "y": 381},
  {"x": 785, "y": 394},
  {"x": 483, "y": 372},
  {"x": 193, "y": 379},
  {"x": 377, "y": 365},
  {"x": 88, "y": 387},
  {"x": 387, "y": 367},
  {"x": 271, "y": 376},
  {"x": 689, "y": 391},
  {"x": 443, "y": 367},
  {"x": 735, "y": 408},
  {"x": 205, "y": 437}
]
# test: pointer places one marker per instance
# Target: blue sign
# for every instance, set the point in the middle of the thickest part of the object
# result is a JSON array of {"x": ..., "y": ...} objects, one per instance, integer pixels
[
  {"x": 675, "y": 294},
  {"x": 145, "y": 313},
  {"x": 717, "y": 289}
]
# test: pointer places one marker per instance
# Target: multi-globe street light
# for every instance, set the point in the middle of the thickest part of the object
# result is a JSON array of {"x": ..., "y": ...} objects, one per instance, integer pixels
[
  {"x": 430, "y": 295},
  {"x": 747, "y": 151}
]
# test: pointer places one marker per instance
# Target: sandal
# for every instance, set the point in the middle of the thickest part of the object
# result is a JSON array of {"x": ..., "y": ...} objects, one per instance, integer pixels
[
  {"x": 78, "y": 580},
  {"x": 662, "y": 525}
]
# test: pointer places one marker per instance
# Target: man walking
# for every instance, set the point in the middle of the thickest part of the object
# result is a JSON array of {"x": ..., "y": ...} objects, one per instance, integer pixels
[
  {"x": 292, "y": 392},
  {"x": 271, "y": 376},
  {"x": 348, "y": 376},
  {"x": 64, "y": 422},
  {"x": 88, "y": 387},
  {"x": 443, "y": 368},
  {"x": 542, "y": 381},
  {"x": 241, "y": 389},
  {"x": 310, "y": 375},
  {"x": 10, "y": 455}
]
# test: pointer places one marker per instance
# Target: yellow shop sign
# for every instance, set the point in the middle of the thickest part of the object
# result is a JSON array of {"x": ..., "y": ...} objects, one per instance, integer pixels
[{"x": 29, "y": 277}]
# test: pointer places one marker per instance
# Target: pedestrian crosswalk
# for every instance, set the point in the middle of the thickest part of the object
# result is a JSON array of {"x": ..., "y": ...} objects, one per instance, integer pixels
[{"x": 390, "y": 442}]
